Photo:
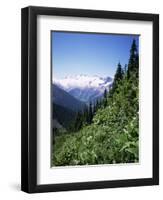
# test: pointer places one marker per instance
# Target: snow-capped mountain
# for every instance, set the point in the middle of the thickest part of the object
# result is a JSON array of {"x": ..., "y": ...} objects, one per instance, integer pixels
[{"x": 83, "y": 87}]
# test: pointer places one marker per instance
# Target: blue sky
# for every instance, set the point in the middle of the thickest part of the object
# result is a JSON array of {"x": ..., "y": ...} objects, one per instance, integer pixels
[{"x": 92, "y": 54}]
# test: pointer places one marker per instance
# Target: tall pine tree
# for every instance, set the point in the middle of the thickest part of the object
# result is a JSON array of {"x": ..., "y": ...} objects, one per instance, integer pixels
[
  {"x": 117, "y": 77},
  {"x": 90, "y": 113},
  {"x": 78, "y": 121},
  {"x": 133, "y": 64},
  {"x": 105, "y": 98}
]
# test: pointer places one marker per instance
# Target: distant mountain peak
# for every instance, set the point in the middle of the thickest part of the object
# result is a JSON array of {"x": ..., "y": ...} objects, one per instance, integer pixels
[
  {"x": 81, "y": 81},
  {"x": 84, "y": 87}
]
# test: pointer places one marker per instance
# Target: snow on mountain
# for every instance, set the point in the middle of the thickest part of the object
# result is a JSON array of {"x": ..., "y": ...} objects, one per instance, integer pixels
[{"x": 83, "y": 87}]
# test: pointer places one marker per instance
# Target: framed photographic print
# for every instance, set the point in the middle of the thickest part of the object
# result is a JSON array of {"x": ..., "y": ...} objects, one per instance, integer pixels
[{"x": 90, "y": 99}]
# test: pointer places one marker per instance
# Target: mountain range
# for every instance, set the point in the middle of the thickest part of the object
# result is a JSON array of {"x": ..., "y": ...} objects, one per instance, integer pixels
[
  {"x": 84, "y": 87},
  {"x": 72, "y": 94}
]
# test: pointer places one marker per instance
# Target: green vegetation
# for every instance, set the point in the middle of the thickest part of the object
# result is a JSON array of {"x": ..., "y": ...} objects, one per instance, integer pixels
[
  {"x": 108, "y": 132},
  {"x": 63, "y": 115}
]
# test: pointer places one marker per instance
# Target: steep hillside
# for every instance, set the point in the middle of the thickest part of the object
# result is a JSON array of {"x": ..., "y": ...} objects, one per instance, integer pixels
[
  {"x": 63, "y": 115},
  {"x": 64, "y": 99}
]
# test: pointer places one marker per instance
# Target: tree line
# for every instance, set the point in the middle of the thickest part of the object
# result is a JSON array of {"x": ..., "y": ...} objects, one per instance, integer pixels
[{"x": 85, "y": 116}]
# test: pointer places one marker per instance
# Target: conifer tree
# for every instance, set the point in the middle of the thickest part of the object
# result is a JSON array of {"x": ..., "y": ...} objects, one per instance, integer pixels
[
  {"x": 94, "y": 107},
  {"x": 105, "y": 98},
  {"x": 117, "y": 77},
  {"x": 78, "y": 121},
  {"x": 90, "y": 113},
  {"x": 133, "y": 64},
  {"x": 97, "y": 104},
  {"x": 105, "y": 94},
  {"x": 86, "y": 115}
]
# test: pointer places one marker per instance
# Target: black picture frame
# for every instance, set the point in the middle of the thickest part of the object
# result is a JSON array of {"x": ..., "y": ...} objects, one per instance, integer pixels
[{"x": 29, "y": 99}]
